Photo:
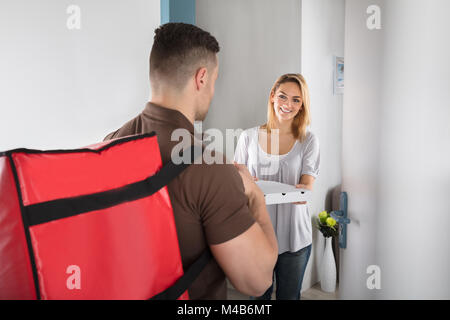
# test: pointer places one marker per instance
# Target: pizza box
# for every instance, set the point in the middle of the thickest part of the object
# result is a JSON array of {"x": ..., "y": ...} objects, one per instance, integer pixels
[{"x": 277, "y": 192}]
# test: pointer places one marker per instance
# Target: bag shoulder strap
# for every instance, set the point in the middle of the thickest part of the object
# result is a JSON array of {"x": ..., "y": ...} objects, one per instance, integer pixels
[{"x": 183, "y": 283}]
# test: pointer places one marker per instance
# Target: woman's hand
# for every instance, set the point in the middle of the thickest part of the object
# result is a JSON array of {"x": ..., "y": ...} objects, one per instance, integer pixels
[{"x": 302, "y": 186}]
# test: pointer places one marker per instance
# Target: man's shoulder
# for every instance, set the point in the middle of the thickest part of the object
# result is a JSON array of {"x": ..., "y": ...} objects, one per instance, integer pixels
[
  {"x": 222, "y": 167},
  {"x": 130, "y": 127},
  {"x": 214, "y": 172}
]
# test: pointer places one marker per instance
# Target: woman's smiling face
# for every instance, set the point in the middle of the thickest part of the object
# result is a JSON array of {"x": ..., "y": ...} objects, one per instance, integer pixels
[{"x": 287, "y": 101}]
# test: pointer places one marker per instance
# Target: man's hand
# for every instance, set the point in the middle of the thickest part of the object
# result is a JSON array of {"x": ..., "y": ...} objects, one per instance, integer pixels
[{"x": 251, "y": 189}]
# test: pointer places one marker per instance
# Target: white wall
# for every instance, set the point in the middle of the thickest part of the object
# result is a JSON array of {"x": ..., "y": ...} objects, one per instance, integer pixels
[
  {"x": 396, "y": 142},
  {"x": 63, "y": 88},
  {"x": 322, "y": 38},
  {"x": 260, "y": 40}
]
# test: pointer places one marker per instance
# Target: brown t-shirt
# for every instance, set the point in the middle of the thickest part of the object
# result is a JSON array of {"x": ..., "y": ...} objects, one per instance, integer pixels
[{"x": 208, "y": 200}]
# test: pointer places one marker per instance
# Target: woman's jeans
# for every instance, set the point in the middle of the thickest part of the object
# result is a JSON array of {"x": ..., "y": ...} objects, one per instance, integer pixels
[{"x": 289, "y": 270}]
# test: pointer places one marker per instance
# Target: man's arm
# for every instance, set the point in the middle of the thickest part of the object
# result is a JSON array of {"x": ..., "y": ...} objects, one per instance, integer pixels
[{"x": 248, "y": 260}]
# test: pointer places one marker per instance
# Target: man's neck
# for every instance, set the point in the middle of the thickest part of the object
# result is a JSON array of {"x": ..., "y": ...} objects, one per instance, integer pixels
[{"x": 175, "y": 104}]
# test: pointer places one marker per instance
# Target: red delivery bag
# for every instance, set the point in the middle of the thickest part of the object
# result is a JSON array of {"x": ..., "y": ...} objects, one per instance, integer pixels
[{"x": 91, "y": 223}]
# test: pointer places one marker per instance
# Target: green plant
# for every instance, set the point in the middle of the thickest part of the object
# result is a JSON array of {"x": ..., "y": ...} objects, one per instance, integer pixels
[{"x": 326, "y": 224}]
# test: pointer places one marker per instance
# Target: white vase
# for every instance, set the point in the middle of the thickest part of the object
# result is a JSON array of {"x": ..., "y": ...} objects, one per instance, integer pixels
[{"x": 327, "y": 271}]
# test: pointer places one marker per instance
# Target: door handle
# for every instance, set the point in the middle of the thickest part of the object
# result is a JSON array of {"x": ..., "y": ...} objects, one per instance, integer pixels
[{"x": 341, "y": 217}]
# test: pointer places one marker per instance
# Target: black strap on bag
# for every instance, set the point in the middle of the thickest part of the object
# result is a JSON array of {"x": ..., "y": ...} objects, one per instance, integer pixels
[
  {"x": 182, "y": 284},
  {"x": 63, "y": 208}
]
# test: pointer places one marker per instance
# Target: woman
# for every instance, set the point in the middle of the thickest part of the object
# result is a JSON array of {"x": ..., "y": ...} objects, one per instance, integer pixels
[{"x": 297, "y": 161}]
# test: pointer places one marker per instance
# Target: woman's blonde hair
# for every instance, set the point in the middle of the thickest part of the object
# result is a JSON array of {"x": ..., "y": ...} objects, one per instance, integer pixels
[{"x": 302, "y": 119}]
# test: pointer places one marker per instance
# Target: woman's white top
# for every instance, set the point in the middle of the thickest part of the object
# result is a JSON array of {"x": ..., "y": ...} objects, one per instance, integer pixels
[{"x": 292, "y": 222}]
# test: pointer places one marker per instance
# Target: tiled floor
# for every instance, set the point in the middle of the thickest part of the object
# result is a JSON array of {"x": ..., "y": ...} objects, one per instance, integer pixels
[{"x": 314, "y": 293}]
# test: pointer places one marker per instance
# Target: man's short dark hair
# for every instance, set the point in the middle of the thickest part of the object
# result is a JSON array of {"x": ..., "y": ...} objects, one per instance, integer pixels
[{"x": 179, "y": 49}]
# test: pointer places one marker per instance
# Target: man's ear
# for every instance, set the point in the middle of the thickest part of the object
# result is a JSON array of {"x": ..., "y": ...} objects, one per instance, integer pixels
[{"x": 200, "y": 78}]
